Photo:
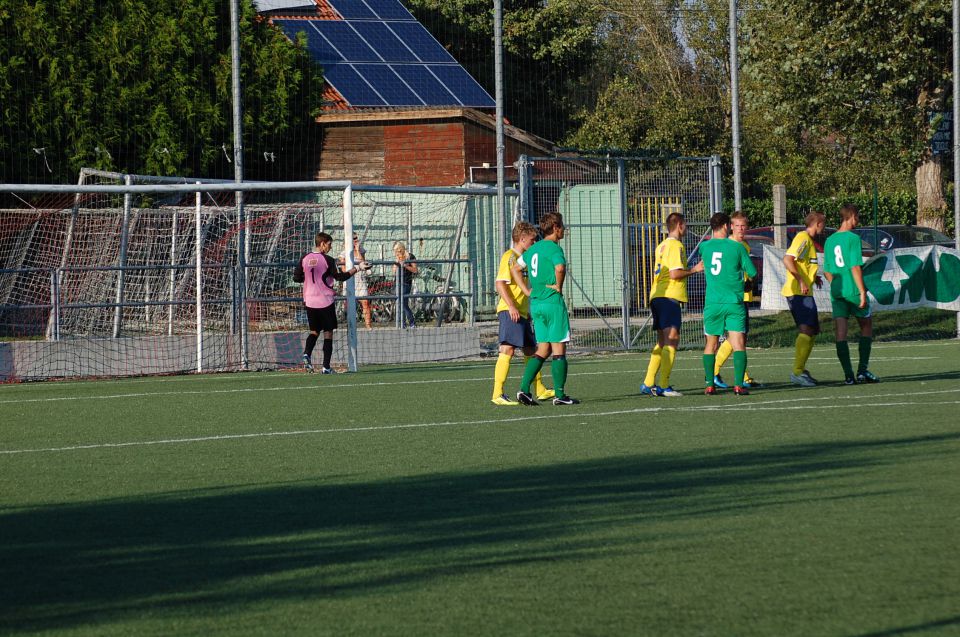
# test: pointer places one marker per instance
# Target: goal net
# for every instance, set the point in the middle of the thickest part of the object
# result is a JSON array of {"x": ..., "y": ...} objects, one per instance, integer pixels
[{"x": 152, "y": 280}]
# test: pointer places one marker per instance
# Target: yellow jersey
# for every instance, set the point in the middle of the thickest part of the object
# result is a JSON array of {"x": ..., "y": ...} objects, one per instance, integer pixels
[
  {"x": 504, "y": 274},
  {"x": 671, "y": 255},
  {"x": 804, "y": 252}
]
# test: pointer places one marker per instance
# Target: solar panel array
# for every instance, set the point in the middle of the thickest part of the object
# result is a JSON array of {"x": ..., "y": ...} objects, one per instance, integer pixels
[{"x": 379, "y": 55}]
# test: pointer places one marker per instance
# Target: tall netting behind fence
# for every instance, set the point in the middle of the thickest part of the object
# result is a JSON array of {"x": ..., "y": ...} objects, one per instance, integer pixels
[
  {"x": 615, "y": 209},
  {"x": 106, "y": 284}
]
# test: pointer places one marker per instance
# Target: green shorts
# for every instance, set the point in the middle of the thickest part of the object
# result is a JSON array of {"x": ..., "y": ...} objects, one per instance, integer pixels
[
  {"x": 724, "y": 317},
  {"x": 551, "y": 324},
  {"x": 849, "y": 307}
]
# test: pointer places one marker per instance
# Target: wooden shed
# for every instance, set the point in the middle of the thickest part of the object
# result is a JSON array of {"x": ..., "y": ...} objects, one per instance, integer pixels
[{"x": 419, "y": 147}]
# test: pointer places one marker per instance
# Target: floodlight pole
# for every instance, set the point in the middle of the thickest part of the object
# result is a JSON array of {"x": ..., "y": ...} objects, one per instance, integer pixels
[
  {"x": 735, "y": 105},
  {"x": 243, "y": 247},
  {"x": 498, "y": 90},
  {"x": 956, "y": 138}
]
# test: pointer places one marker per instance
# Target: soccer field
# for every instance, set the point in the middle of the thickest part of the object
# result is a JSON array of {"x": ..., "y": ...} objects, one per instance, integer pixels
[{"x": 401, "y": 502}]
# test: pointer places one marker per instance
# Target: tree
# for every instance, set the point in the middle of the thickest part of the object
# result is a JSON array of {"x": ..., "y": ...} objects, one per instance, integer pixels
[
  {"x": 662, "y": 84},
  {"x": 144, "y": 86},
  {"x": 863, "y": 80}
]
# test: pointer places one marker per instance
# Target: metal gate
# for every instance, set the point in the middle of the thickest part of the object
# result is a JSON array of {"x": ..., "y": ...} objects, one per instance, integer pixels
[{"x": 614, "y": 210}]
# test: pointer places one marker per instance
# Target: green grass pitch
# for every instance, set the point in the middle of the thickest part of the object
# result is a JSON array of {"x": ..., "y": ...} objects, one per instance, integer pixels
[{"x": 401, "y": 502}]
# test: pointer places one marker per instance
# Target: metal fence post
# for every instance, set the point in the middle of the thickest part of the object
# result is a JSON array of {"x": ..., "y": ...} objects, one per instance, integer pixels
[
  {"x": 624, "y": 253},
  {"x": 716, "y": 185},
  {"x": 55, "y": 304},
  {"x": 523, "y": 172},
  {"x": 122, "y": 273},
  {"x": 198, "y": 292}
]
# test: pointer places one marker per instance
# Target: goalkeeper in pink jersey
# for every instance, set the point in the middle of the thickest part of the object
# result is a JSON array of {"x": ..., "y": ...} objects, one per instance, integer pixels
[{"x": 317, "y": 271}]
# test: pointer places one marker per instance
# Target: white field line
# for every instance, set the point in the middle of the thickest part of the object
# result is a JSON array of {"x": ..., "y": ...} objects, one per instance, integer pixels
[
  {"x": 773, "y": 405},
  {"x": 245, "y": 390}
]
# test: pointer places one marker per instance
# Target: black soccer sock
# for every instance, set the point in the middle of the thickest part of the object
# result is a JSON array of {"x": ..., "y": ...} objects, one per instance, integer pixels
[
  {"x": 311, "y": 342},
  {"x": 327, "y": 351}
]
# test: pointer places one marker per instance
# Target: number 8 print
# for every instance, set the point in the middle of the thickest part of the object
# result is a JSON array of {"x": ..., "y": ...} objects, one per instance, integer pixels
[{"x": 838, "y": 256}]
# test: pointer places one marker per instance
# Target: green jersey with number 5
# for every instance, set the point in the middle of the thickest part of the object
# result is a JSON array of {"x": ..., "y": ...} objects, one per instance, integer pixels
[
  {"x": 725, "y": 262},
  {"x": 841, "y": 252},
  {"x": 541, "y": 260}
]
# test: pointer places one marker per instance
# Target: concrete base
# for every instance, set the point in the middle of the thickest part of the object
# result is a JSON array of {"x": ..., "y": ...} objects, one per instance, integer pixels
[{"x": 135, "y": 356}]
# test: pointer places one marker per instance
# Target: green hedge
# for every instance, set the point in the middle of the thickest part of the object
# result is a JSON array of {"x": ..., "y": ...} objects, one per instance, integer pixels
[{"x": 892, "y": 208}]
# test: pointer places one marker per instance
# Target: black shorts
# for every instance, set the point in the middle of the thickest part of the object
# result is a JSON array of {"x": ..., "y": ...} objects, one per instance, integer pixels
[
  {"x": 666, "y": 313},
  {"x": 322, "y": 319},
  {"x": 519, "y": 334},
  {"x": 804, "y": 310}
]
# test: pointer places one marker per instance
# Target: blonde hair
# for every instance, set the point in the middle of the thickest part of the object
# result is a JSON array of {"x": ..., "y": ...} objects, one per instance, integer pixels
[
  {"x": 399, "y": 248},
  {"x": 523, "y": 229}
]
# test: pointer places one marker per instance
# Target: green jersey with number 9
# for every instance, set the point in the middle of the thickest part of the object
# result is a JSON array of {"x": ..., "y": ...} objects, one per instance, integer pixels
[
  {"x": 725, "y": 262},
  {"x": 541, "y": 260},
  {"x": 841, "y": 252}
]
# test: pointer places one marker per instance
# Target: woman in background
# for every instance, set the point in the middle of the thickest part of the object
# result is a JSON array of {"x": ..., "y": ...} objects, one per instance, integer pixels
[{"x": 407, "y": 265}]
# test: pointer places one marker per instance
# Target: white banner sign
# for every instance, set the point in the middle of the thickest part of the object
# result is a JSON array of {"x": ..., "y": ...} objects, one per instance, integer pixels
[{"x": 896, "y": 280}]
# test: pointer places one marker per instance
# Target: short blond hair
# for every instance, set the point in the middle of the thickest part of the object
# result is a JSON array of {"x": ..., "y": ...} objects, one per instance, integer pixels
[{"x": 523, "y": 229}]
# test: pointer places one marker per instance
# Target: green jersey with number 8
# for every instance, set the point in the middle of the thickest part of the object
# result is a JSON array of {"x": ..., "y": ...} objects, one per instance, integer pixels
[
  {"x": 841, "y": 252},
  {"x": 541, "y": 260},
  {"x": 725, "y": 262}
]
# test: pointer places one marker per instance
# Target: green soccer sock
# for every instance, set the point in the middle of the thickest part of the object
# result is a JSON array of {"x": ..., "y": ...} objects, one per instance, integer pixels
[
  {"x": 558, "y": 369},
  {"x": 866, "y": 343},
  {"x": 709, "y": 360},
  {"x": 534, "y": 363},
  {"x": 739, "y": 367},
  {"x": 843, "y": 353}
]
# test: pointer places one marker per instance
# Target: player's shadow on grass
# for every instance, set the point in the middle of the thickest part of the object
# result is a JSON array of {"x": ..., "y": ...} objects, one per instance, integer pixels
[{"x": 209, "y": 552}]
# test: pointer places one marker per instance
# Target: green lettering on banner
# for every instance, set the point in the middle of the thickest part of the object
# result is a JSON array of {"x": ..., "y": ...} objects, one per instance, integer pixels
[
  {"x": 913, "y": 285},
  {"x": 882, "y": 290},
  {"x": 942, "y": 286}
]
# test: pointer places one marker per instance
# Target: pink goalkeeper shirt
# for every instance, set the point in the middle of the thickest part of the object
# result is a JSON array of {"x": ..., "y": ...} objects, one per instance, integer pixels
[{"x": 318, "y": 269}]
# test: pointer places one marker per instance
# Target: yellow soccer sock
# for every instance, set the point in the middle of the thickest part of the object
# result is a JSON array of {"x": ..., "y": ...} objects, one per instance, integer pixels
[
  {"x": 723, "y": 353},
  {"x": 804, "y": 347},
  {"x": 667, "y": 357},
  {"x": 653, "y": 367},
  {"x": 500, "y": 373}
]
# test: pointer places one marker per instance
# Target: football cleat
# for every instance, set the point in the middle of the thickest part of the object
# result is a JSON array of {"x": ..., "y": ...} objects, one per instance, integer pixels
[
  {"x": 718, "y": 382},
  {"x": 867, "y": 377},
  {"x": 648, "y": 390},
  {"x": 740, "y": 391},
  {"x": 327, "y": 370},
  {"x": 503, "y": 400},
  {"x": 565, "y": 400},
  {"x": 526, "y": 399},
  {"x": 809, "y": 377},
  {"x": 547, "y": 395},
  {"x": 670, "y": 392},
  {"x": 850, "y": 381},
  {"x": 710, "y": 391},
  {"x": 306, "y": 363},
  {"x": 753, "y": 383},
  {"x": 803, "y": 381}
]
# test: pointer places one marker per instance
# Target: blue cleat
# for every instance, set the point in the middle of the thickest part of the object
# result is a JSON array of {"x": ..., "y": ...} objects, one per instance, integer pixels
[
  {"x": 719, "y": 384},
  {"x": 647, "y": 390}
]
